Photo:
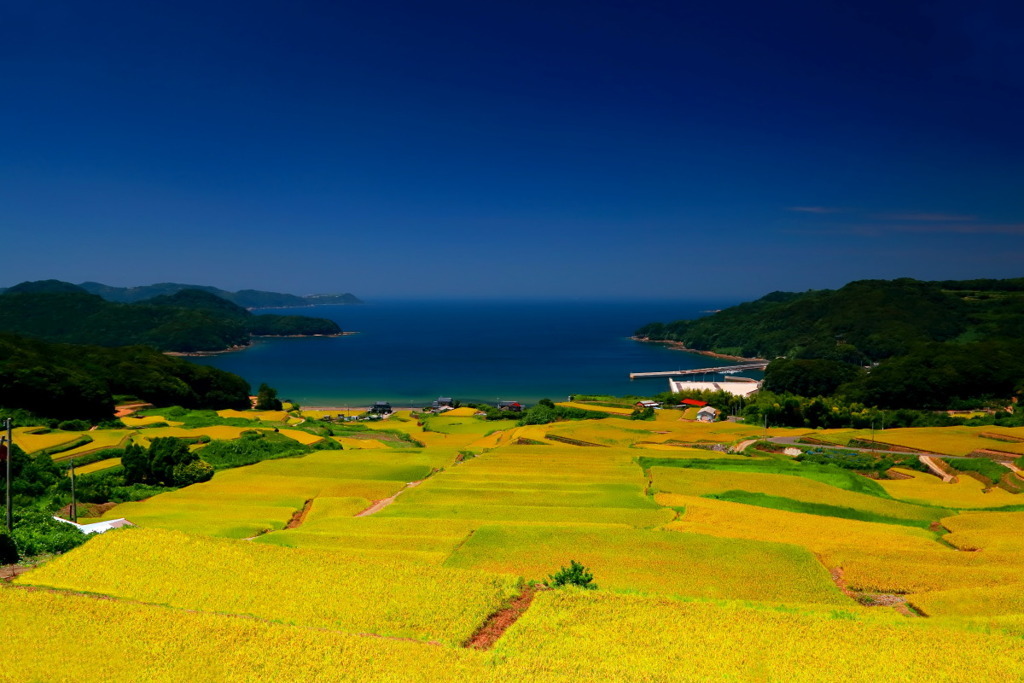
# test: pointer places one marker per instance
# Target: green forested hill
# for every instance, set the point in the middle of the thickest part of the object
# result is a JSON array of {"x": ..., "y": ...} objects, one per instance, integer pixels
[
  {"x": 867, "y": 320},
  {"x": 72, "y": 381},
  {"x": 186, "y": 321},
  {"x": 929, "y": 344}
]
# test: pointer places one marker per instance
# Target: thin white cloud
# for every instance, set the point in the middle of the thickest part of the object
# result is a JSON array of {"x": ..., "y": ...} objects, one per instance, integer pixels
[
  {"x": 962, "y": 228},
  {"x": 879, "y": 229},
  {"x": 815, "y": 209},
  {"x": 928, "y": 217}
]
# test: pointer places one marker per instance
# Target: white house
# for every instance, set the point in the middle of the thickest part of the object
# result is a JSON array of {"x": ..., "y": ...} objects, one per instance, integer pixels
[{"x": 707, "y": 414}]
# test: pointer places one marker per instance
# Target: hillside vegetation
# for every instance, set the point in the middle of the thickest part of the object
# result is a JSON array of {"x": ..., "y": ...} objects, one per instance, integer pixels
[
  {"x": 934, "y": 343},
  {"x": 187, "y": 321},
  {"x": 66, "y": 381}
]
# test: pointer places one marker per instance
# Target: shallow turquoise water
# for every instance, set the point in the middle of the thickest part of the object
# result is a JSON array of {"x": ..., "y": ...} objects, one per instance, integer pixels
[{"x": 410, "y": 352}]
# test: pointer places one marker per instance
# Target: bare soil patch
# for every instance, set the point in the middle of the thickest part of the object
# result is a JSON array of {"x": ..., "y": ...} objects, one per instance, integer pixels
[
  {"x": 86, "y": 510},
  {"x": 299, "y": 516},
  {"x": 129, "y": 408},
  {"x": 894, "y": 600},
  {"x": 992, "y": 453},
  {"x": 372, "y": 436},
  {"x": 9, "y": 572},
  {"x": 500, "y": 621},
  {"x": 995, "y": 436}
]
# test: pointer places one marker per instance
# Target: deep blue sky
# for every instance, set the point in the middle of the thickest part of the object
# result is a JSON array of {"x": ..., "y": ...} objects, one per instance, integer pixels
[{"x": 497, "y": 148}]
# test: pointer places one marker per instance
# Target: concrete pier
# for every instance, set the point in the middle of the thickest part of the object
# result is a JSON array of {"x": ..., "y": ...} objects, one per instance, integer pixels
[{"x": 727, "y": 369}]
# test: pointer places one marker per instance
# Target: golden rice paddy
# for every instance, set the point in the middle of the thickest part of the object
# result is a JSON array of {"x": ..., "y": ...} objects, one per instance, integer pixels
[{"x": 216, "y": 587}]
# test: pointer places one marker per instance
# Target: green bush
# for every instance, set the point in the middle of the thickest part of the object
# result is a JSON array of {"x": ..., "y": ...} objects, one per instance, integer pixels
[
  {"x": 73, "y": 425},
  {"x": 186, "y": 474},
  {"x": 37, "y": 533},
  {"x": 251, "y": 448},
  {"x": 575, "y": 574},
  {"x": 642, "y": 414}
]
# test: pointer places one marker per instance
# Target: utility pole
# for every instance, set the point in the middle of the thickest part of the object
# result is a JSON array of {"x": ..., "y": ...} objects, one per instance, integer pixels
[
  {"x": 9, "y": 453},
  {"x": 74, "y": 507}
]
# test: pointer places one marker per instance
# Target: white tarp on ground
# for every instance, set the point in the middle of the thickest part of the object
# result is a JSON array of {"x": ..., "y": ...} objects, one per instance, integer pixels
[
  {"x": 737, "y": 386},
  {"x": 97, "y": 527}
]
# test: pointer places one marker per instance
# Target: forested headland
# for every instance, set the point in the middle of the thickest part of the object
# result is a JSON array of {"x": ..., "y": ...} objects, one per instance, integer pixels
[
  {"x": 187, "y": 321},
  {"x": 890, "y": 343},
  {"x": 71, "y": 381}
]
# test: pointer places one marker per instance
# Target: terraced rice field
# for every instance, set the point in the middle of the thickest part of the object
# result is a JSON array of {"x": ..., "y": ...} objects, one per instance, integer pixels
[
  {"x": 101, "y": 439},
  {"x": 691, "y": 588},
  {"x": 691, "y": 565},
  {"x": 711, "y": 482},
  {"x": 98, "y": 466},
  {"x": 953, "y": 440},
  {"x": 248, "y": 501},
  {"x": 261, "y": 415},
  {"x": 999, "y": 531},
  {"x": 145, "y": 421},
  {"x": 603, "y": 636},
  {"x": 966, "y": 493},
  {"x": 244, "y": 578},
  {"x": 30, "y": 441}
]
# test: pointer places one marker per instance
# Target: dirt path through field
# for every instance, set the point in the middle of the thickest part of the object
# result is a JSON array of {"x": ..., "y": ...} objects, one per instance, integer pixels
[
  {"x": 299, "y": 516},
  {"x": 381, "y": 504},
  {"x": 499, "y": 622},
  {"x": 894, "y": 600},
  {"x": 928, "y": 462},
  {"x": 742, "y": 446}
]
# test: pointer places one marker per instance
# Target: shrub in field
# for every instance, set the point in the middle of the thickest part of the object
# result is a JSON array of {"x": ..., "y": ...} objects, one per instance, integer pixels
[
  {"x": 575, "y": 574},
  {"x": 193, "y": 472},
  {"x": 168, "y": 461},
  {"x": 642, "y": 414},
  {"x": 36, "y": 533}
]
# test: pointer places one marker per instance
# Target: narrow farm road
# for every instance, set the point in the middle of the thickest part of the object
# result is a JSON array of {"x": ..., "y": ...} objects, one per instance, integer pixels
[{"x": 381, "y": 504}]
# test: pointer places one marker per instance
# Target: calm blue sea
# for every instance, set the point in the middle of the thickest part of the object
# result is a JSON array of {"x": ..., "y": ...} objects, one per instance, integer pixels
[{"x": 411, "y": 352}]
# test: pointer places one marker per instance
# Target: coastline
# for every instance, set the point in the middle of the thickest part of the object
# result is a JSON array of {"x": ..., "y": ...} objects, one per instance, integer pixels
[
  {"x": 233, "y": 349},
  {"x": 300, "y": 336},
  {"x": 276, "y": 308},
  {"x": 199, "y": 354},
  {"x": 679, "y": 346}
]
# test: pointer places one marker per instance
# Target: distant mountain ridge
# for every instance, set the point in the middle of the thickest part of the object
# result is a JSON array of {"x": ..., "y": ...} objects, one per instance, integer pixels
[{"x": 246, "y": 298}]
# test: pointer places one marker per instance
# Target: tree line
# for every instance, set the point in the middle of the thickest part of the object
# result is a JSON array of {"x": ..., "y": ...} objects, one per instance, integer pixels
[{"x": 65, "y": 381}]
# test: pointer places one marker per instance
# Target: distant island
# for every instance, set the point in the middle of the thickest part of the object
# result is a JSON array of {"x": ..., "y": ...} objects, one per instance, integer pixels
[
  {"x": 185, "y": 321},
  {"x": 891, "y": 343},
  {"x": 246, "y": 298}
]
